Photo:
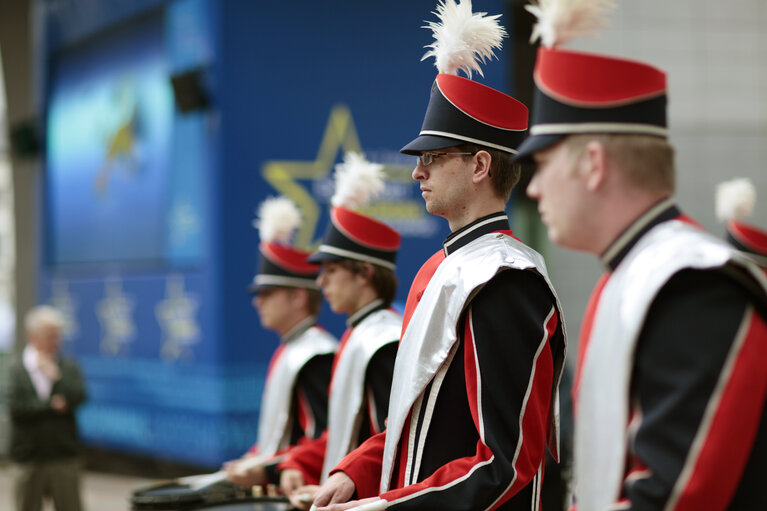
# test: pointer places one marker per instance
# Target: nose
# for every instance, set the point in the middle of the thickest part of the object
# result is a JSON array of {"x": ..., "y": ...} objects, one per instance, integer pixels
[
  {"x": 256, "y": 301},
  {"x": 532, "y": 188},
  {"x": 321, "y": 279},
  {"x": 419, "y": 172}
]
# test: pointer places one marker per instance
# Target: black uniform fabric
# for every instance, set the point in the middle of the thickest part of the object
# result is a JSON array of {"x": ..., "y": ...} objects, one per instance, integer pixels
[
  {"x": 498, "y": 309},
  {"x": 681, "y": 356},
  {"x": 312, "y": 384},
  {"x": 378, "y": 379}
]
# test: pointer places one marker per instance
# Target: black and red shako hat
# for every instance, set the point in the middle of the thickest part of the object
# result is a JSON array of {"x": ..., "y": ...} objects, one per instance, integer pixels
[
  {"x": 748, "y": 238},
  {"x": 462, "y": 111},
  {"x": 284, "y": 266},
  {"x": 578, "y": 92},
  {"x": 352, "y": 235}
]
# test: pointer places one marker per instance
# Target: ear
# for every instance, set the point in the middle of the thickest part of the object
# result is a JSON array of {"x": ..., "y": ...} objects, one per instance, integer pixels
[
  {"x": 594, "y": 165},
  {"x": 367, "y": 273},
  {"x": 300, "y": 297},
  {"x": 482, "y": 168}
]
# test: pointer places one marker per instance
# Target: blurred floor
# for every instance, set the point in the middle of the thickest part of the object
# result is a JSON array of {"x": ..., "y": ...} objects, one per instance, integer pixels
[{"x": 101, "y": 491}]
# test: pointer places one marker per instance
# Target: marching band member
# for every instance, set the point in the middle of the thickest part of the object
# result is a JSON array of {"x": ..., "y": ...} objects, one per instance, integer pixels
[
  {"x": 671, "y": 384},
  {"x": 735, "y": 200},
  {"x": 474, "y": 397},
  {"x": 357, "y": 256},
  {"x": 295, "y": 397}
]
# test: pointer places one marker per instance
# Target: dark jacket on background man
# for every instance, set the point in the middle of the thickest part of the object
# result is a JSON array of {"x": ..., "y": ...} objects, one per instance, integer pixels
[{"x": 38, "y": 432}]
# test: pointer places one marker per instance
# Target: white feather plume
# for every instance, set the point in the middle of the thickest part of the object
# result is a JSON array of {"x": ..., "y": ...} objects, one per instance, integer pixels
[
  {"x": 357, "y": 181},
  {"x": 735, "y": 199},
  {"x": 463, "y": 40},
  {"x": 560, "y": 21},
  {"x": 278, "y": 218}
]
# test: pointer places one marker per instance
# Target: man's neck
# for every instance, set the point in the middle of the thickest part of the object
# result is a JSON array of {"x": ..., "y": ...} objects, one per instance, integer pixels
[
  {"x": 475, "y": 210},
  {"x": 619, "y": 216},
  {"x": 300, "y": 321},
  {"x": 362, "y": 311}
]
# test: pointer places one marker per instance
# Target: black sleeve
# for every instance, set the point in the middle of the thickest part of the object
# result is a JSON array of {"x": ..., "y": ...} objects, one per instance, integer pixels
[
  {"x": 697, "y": 325},
  {"x": 313, "y": 382},
  {"x": 378, "y": 378}
]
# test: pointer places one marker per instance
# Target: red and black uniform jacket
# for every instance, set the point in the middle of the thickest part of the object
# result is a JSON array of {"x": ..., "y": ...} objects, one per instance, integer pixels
[
  {"x": 308, "y": 457},
  {"x": 698, "y": 425},
  {"x": 495, "y": 382}
]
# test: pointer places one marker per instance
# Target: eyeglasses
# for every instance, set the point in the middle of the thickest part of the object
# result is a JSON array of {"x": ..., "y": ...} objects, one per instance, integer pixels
[{"x": 428, "y": 157}]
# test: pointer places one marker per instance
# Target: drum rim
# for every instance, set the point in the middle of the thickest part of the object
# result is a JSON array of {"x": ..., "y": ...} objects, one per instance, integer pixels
[{"x": 140, "y": 496}]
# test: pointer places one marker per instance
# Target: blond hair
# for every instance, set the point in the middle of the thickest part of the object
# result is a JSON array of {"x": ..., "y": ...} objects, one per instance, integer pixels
[
  {"x": 41, "y": 316},
  {"x": 645, "y": 161}
]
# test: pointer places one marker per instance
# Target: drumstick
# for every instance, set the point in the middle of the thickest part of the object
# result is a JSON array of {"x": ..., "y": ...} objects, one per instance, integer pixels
[
  {"x": 378, "y": 505},
  {"x": 198, "y": 482},
  {"x": 305, "y": 497}
]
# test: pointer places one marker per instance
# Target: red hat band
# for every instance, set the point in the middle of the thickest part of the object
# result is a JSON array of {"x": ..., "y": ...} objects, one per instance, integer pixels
[
  {"x": 748, "y": 238},
  {"x": 284, "y": 266},
  {"x": 352, "y": 235}
]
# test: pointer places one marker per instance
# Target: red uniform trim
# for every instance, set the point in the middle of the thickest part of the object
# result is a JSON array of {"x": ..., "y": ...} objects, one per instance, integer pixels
[
  {"x": 363, "y": 466},
  {"x": 535, "y": 414},
  {"x": 585, "y": 335},
  {"x": 532, "y": 438},
  {"x": 417, "y": 288},
  {"x": 307, "y": 458},
  {"x": 719, "y": 455},
  {"x": 588, "y": 324}
]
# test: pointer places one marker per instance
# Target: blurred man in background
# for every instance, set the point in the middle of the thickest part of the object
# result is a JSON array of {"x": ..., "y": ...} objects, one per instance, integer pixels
[{"x": 44, "y": 390}]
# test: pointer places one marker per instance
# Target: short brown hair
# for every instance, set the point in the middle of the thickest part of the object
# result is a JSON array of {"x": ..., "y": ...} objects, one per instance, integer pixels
[
  {"x": 313, "y": 301},
  {"x": 313, "y": 297},
  {"x": 504, "y": 172},
  {"x": 383, "y": 279},
  {"x": 646, "y": 162}
]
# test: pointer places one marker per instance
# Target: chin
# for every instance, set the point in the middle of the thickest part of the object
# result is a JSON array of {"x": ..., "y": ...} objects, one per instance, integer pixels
[
  {"x": 557, "y": 238},
  {"x": 565, "y": 242}
]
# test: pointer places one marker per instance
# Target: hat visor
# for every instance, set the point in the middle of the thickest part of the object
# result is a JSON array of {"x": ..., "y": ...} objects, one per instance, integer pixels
[
  {"x": 429, "y": 143},
  {"x": 533, "y": 144},
  {"x": 323, "y": 257},
  {"x": 254, "y": 289}
]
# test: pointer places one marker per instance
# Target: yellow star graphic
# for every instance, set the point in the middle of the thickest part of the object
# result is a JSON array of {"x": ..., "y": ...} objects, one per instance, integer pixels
[{"x": 340, "y": 134}]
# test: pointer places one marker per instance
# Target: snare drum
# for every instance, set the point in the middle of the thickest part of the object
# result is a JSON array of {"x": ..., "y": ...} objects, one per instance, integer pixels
[
  {"x": 172, "y": 495},
  {"x": 252, "y": 504}
]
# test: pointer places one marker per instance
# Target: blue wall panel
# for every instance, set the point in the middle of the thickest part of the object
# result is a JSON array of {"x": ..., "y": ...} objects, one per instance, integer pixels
[{"x": 172, "y": 349}]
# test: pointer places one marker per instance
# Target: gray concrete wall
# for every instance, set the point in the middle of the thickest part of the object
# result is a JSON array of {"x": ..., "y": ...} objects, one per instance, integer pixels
[{"x": 715, "y": 54}]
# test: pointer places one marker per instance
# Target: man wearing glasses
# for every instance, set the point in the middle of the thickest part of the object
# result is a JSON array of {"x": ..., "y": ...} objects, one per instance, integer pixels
[{"x": 474, "y": 399}]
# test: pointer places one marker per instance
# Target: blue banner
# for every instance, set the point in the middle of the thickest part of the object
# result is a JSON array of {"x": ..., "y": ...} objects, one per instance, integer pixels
[{"x": 150, "y": 246}]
